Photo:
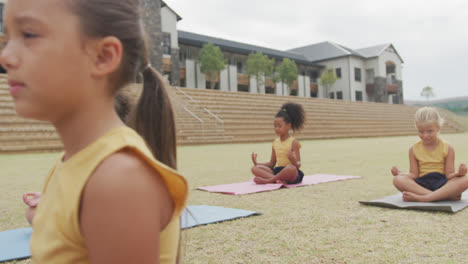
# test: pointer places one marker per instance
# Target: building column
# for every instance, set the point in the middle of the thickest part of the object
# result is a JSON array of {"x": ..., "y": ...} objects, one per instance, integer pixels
[
  {"x": 306, "y": 86},
  {"x": 253, "y": 85},
  {"x": 175, "y": 67},
  {"x": 201, "y": 82},
  {"x": 279, "y": 88},
  {"x": 300, "y": 85},
  {"x": 232, "y": 78},
  {"x": 190, "y": 70},
  {"x": 261, "y": 87},
  {"x": 224, "y": 80}
]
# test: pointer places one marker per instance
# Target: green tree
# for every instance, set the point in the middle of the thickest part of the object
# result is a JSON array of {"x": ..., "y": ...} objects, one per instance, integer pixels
[
  {"x": 327, "y": 79},
  {"x": 427, "y": 92},
  {"x": 287, "y": 72},
  {"x": 259, "y": 66},
  {"x": 211, "y": 62}
]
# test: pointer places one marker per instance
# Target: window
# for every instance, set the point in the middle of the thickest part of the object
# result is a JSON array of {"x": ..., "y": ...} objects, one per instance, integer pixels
[
  {"x": 166, "y": 44},
  {"x": 182, "y": 56},
  {"x": 390, "y": 67},
  {"x": 331, "y": 95},
  {"x": 240, "y": 68},
  {"x": 339, "y": 95},
  {"x": 358, "y": 96},
  {"x": 357, "y": 74},
  {"x": 338, "y": 72},
  {"x": 314, "y": 76},
  {"x": 370, "y": 76}
]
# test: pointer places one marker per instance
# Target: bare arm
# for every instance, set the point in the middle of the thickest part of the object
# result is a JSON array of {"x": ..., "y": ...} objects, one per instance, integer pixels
[
  {"x": 31, "y": 199},
  {"x": 414, "y": 167},
  {"x": 450, "y": 172},
  {"x": 294, "y": 154},
  {"x": 124, "y": 207},
  {"x": 269, "y": 164}
]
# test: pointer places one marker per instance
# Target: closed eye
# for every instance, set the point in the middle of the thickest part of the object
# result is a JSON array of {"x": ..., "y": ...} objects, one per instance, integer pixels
[{"x": 29, "y": 35}]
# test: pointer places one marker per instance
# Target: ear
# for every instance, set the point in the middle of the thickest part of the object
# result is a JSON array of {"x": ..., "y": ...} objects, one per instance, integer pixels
[{"x": 106, "y": 56}]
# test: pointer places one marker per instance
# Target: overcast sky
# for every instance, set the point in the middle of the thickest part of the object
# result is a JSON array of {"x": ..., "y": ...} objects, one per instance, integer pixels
[{"x": 430, "y": 35}]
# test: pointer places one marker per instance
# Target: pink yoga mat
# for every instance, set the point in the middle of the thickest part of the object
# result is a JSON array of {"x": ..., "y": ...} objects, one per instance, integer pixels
[{"x": 252, "y": 187}]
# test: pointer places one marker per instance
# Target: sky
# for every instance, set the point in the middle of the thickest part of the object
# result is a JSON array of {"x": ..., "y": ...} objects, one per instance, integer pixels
[{"x": 431, "y": 35}]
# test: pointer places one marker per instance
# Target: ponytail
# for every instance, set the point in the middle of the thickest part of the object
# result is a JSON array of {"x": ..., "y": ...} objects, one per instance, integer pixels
[{"x": 154, "y": 118}]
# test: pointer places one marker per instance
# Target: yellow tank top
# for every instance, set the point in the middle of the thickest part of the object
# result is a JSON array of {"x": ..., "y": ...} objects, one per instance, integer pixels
[
  {"x": 57, "y": 236},
  {"x": 431, "y": 161},
  {"x": 281, "y": 151}
]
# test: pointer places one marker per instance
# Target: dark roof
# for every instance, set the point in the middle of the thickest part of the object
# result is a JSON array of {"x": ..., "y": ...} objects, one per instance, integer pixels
[
  {"x": 193, "y": 39},
  {"x": 325, "y": 51},
  {"x": 329, "y": 50},
  {"x": 375, "y": 51}
]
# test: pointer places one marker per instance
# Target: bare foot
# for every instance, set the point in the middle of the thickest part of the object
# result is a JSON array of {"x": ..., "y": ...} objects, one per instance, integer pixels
[
  {"x": 412, "y": 197},
  {"x": 395, "y": 171},
  {"x": 259, "y": 180},
  {"x": 281, "y": 182}
]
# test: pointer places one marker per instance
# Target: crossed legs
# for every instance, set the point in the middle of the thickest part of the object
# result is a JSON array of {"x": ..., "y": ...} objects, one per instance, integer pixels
[
  {"x": 264, "y": 174},
  {"x": 414, "y": 192},
  {"x": 452, "y": 190}
]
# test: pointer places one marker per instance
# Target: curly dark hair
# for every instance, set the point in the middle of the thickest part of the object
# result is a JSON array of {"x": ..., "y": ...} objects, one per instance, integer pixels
[{"x": 293, "y": 114}]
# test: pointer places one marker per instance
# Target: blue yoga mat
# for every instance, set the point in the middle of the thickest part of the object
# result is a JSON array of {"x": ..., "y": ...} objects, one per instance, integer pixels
[
  {"x": 205, "y": 214},
  {"x": 14, "y": 244}
]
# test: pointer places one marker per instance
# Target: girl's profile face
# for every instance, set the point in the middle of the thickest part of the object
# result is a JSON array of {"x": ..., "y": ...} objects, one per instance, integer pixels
[
  {"x": 45, "y": 58},
  {"x": 281, "y": 127},
  {"x": 428, "y": 132}
]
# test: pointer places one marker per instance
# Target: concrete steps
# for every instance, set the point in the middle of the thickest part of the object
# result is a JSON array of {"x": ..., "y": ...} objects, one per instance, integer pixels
[{"x": 247, "y": 118}]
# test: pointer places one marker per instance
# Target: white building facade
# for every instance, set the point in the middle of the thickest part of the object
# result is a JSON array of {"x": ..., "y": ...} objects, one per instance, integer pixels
[{"x": 367, "y": 74}]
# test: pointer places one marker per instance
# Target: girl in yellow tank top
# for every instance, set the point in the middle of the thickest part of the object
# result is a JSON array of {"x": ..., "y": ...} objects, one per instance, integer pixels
[
  {"x": 285, "y": 160},
  {"x": 432, "y": 175},
  {"x": 114, "y": 195}
]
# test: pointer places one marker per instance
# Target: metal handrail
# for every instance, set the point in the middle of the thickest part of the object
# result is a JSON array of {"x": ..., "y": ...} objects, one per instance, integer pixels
[
  {"x": 185, "y": 94},
  {"x": 196, "y": 117},
  {"x": 190, "y": 98},
  {"x": 215, "y": 117}
]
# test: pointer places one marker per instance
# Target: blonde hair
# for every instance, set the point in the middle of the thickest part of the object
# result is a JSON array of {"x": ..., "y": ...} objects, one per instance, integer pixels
[{"x": 428, "y": 115}]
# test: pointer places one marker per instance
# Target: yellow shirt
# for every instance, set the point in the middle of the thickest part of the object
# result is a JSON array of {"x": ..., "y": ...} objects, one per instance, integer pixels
[
  {"x": 281, "y": 151},
  {"x": 57, "y": 237},
  {"x": 431, "y": 161}
]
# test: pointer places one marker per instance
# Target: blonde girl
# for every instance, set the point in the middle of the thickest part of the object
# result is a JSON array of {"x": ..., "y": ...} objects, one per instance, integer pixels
[{"x": 432, "y": 175}]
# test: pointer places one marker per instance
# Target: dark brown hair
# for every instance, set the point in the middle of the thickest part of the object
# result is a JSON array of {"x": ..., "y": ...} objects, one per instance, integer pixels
[
  {"x": 153, "y": 118},
  {"x": 293, "y": 114}
]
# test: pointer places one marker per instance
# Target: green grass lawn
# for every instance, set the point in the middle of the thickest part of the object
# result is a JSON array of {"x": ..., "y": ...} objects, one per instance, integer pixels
[{"x": 315, "y": 224}]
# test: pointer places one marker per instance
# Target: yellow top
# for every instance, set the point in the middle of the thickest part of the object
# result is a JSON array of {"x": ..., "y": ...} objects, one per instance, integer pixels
[
  {"x": 281, "y": 150},
  {"x": 431, "y": 161},
  {"x": 57, "y": 237}
]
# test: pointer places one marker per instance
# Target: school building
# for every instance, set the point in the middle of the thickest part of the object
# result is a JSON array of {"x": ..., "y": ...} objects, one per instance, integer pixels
[{"x": 368, "y": 74}]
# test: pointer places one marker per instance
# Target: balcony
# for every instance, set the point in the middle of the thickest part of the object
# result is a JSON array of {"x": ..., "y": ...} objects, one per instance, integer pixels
[
  {"x": 208, "y": 79},
  {"x": 182, "y": 73},
  {"x": 370, "y": 88},
  {"x": 269, "y": 82},
  {"x": 242, "y": 79},
  {"x": 166, "y": 67},
  {"x": 392, "y": 88},
  {"x": 294, "y": 85},
  {"x": 313, "y": 88}
]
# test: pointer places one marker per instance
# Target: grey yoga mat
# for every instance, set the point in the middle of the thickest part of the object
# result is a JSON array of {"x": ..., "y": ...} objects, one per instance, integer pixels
[{"x": 396, "y": 201}]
